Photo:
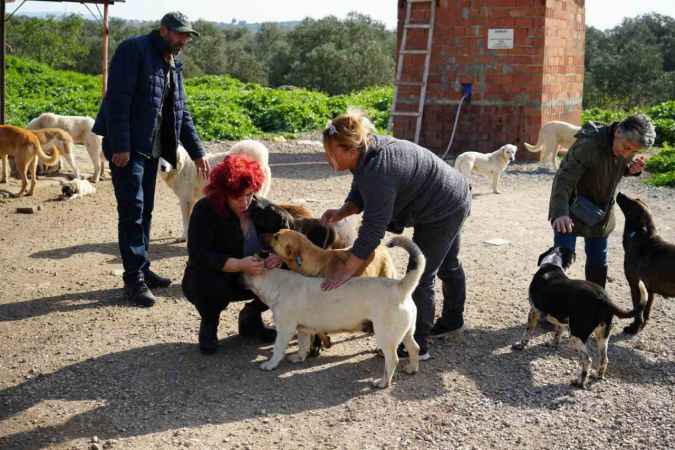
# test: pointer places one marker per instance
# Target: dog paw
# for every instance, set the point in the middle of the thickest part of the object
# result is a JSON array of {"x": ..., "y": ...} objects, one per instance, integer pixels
[
  {"x": 518, "y": 346},
  {"x": 268, "y": 365},
  {"x": 380, "y": 384},
  {"x": 411, "y": 368},
  {"x": 296, "y": 358},
  {"x": 578, "y": 384}
]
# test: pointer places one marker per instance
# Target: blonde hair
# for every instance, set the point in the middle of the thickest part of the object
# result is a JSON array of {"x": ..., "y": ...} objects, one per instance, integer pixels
[{"x": 350, "y": 130}]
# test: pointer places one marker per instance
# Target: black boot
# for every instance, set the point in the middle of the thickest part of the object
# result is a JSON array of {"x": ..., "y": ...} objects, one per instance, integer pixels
[
  {"x": 251, "y": 324},
  {"x": 137, "y": 292},
  {"x": 155, "y": 281},
  {"x": 597, "y": 274},
  {"x": 208, "y": 336}
]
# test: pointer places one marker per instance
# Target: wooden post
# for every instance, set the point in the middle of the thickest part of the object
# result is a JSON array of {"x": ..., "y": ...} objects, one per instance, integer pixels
[
  {"x": 2, "y": 62},
  {"x": 104, "y": 56}
]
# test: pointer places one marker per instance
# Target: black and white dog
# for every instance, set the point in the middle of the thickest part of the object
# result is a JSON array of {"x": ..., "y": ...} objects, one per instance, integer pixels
[{"x": 581, "y": 305}]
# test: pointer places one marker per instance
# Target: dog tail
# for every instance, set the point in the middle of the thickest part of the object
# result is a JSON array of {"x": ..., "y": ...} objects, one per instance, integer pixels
[
  {"x": 539, "y": 145},
  {"x": 45, "y": 158},
  {"x": 417, "y": 263},
  {"x": 622, "y": 313}
]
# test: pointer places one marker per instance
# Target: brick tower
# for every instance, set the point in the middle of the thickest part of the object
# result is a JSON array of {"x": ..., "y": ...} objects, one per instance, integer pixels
[{"x": 524, "y": 60}]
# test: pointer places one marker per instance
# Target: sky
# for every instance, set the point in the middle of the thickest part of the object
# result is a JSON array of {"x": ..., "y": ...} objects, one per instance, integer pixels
[{"x": 599, "y": 13}]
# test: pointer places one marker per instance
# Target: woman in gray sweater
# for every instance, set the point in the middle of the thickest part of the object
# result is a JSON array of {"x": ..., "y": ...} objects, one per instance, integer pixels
[{"x": 399, "y": 184}]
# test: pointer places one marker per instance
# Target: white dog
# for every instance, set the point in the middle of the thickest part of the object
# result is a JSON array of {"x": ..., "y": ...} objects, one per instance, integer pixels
[
  {"x": 299, "y": 305},
  {"x": 79, "y": 127},
  {"x": 189, "y": 187},
  {"x": 551, "y": 135},
  {"x": 490, "y": 164},
  {"x": 77, "y": 188}
]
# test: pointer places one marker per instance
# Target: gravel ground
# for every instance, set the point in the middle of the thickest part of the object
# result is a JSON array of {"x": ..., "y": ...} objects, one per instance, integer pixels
[{"x": 80, "y": 368}]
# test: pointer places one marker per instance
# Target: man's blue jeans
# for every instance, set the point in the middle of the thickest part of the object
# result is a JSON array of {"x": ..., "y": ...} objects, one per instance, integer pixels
[
  {"x": 135, "y": 192},
  {"x": 596, "y": 248}
]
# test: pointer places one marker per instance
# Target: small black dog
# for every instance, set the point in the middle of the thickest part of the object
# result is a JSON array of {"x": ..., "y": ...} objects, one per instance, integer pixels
[
  {"x": 581, "y": 305},
  {"x": 649, "y": 261}
]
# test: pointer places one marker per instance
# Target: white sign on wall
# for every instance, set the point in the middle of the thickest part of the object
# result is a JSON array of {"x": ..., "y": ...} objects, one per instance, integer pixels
[{"x": 500, "y": 38}]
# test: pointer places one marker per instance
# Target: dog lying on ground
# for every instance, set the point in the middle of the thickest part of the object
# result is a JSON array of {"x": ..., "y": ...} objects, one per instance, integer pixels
[
  {"x": 56, "y": 137},
  {"x": 277, "y": 217},
  {"x": 24, "y": 146},
  {"x": 76, "y": 188},
  {"x": 299, "y": 305},
  {"x": 551, "y": 135},
  {"x": 79, "y": 128},
  {"x": 648, "y": 260},
  {"x": 189, "y": 186},
  {"x": 581, "y": 305},
  {"x": 491, "y": 165}
]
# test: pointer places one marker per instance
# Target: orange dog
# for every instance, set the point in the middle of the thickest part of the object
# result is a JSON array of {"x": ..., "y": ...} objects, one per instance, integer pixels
[{"x": 25, "y": 147}]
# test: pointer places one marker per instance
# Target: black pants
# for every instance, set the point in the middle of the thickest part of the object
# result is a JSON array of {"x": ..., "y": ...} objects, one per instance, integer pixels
[
  {"x": 135, "y": 193},
  {"x": 440, "y": 243}
]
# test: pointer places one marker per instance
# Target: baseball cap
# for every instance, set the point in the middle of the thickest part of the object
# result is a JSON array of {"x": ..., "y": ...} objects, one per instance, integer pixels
[{"x": 178, "y": 22}]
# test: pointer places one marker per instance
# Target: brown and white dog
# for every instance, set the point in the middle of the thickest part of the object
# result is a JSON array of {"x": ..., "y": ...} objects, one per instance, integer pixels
[
  {"x": 649, "y": 261},
  {"x": 24, "y": 146},
  {"x": 551, "y": 135},
  {"x": 302, "y": 256},
  {"x": 490, "y": 165},
  {"x": 79, "y": 128}
]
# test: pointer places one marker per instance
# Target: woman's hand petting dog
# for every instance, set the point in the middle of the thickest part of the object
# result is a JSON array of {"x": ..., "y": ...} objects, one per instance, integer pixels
[
  {"x": 251, "y": 265},
  {"x": 563, "y": 224},
  {"x": 331, "y": 216}
]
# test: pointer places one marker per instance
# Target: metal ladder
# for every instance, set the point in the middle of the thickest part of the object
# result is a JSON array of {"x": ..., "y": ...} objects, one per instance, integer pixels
[{"x": 399, "y": 67}]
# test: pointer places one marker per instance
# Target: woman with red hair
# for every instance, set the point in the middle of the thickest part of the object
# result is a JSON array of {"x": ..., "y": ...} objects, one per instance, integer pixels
[{"x": 222, "y": 243}]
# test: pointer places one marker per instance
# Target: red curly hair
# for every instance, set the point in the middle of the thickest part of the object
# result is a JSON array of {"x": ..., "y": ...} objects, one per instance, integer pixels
[{"x": 232, "y": 178}]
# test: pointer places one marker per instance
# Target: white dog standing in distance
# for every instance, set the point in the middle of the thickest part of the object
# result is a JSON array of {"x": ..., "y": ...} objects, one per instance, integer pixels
[
  {"x": 189, "y": 186},
  {"x": 490, "y": 165},
  {"x": 551, "y": 135},
  {"x": 79, "y": 128},
  {"x": 299, "y": 305}
]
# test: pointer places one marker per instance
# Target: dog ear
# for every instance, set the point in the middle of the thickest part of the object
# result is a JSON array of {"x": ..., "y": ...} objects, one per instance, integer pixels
[{"x": 290, "y": 253}]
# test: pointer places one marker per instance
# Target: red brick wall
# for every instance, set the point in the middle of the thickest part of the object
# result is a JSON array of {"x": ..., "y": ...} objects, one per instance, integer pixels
[{"x": 514, "y": 91}]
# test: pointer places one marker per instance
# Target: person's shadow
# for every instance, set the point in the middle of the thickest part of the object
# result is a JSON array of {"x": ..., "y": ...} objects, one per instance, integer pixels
[
  {"x": 168, "y": 386},
  {"x": 159, "y": 249}
]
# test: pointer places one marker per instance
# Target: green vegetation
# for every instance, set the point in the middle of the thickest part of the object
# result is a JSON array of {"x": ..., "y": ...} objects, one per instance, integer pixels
[{"x": 223, "y": 107}]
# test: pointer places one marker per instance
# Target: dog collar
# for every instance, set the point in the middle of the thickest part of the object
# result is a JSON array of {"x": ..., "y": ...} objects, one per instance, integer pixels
[
  {"x": 632, "y": 234},
  {"x": 298, "y": 261}
]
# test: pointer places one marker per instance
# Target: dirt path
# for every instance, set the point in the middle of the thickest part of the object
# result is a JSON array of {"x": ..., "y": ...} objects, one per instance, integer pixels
[{"x": 78, "y": 365}]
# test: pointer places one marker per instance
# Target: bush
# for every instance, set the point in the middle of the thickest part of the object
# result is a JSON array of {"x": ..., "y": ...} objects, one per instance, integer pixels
[
  {"x": 663, "y": 116},
  {"x": 662, "y": 167}
]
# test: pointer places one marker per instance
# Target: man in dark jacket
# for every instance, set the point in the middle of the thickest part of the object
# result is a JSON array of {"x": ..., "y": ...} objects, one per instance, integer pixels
[
  {"x": 592, "y": 170},
  {"x": 143, "y": 117}
]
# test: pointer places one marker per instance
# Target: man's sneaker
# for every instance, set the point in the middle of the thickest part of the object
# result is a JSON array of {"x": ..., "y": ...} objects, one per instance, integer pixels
[
  {"x": 139, "y": 294},
  {"x": 439, "y": 330},
  {"x": 154, "y": 281}
]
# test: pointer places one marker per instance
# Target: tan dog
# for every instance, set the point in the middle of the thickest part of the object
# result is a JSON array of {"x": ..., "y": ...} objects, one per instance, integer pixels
[
  {"x": 551, "y": 135},
  {"x": 302, "y": 256},
  {"x": 25, "y": 147},
  {"x": 79, "y": 128},
  {"x": 299, "y": 305},
  {"x": 60, "y": 139}
]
